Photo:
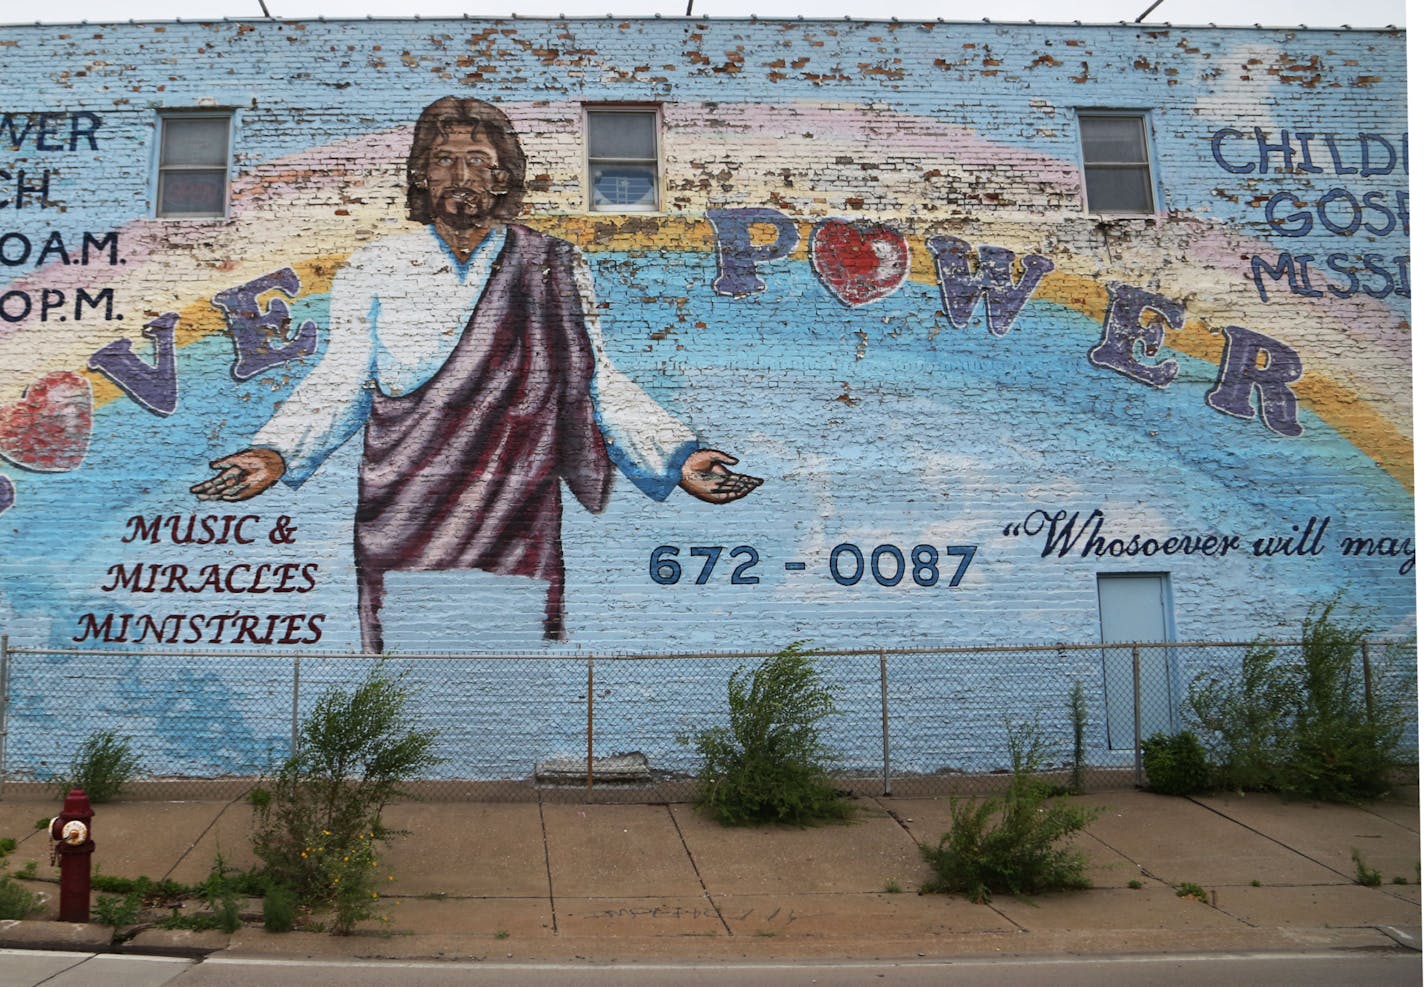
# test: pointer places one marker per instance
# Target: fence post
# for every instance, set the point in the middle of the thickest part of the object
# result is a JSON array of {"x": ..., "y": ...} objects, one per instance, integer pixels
[
  {"x": 296, "y": 697},
  {"x": 588, "y": 795},
  {"x": 1136, "y": 716},
  {"x": 1369, "y": 682},
  {"x": 4, "y": 708},
  {"x": 885, "y": 721}
]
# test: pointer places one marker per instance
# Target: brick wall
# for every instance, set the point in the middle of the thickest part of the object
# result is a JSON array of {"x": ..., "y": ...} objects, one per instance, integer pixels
[{"x": 1225, "y": 380}]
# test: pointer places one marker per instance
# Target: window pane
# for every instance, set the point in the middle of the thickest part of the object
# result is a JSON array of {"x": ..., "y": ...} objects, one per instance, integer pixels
[
  {"x": 1119, "y": 190},
  {"x": 622, "y": 135},
  {"x": 191, "y": 193},
  {"x": 195, "y": 141},
  {"x": 1113, "y": 139},
  {"x": 623, "y": 185}
]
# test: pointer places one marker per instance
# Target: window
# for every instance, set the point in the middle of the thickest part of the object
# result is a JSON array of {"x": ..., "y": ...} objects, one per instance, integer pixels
[
  {"x": 192, "y": 164},
  {"x": 623, "y": 159},
  {"x": 1115, "y": 166}
]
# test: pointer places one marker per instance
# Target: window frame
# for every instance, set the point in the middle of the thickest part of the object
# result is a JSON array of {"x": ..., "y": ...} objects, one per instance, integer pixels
[
  {"x": 165, "y": 117},
  {"x": 656, "y": 161},
  {"x": 1147, "y": 165}
]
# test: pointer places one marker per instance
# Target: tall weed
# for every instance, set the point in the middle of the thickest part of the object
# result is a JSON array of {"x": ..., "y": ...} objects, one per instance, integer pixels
[
  {"x": 102, "y": 765},
  {"x": 1305, "y": 729},
  {"x": 357, "y": 748},
  {"x": 1012, "y": 843},
  {"x": 768, "y": 765}
]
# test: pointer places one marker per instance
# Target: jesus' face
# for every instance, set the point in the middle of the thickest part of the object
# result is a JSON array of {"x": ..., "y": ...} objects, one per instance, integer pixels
[{"x": 463, "y": 175}]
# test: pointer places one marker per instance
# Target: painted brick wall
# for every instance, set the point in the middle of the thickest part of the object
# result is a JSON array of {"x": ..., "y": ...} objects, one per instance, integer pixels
[{"x": 1225, "y": 381}]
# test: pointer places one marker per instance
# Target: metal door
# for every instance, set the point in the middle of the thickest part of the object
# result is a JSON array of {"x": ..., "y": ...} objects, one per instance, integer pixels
[{"x": 1136, "y": 607}]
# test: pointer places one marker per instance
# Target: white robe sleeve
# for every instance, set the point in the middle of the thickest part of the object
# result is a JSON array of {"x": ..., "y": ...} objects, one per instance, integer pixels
[
  {"x": 332, "y": 401},
  {"x": 646, "y": 443}
]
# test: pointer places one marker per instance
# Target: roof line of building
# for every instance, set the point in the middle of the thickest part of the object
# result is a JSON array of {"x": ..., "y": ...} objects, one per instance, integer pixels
[{"x": 1145, "y": 25}]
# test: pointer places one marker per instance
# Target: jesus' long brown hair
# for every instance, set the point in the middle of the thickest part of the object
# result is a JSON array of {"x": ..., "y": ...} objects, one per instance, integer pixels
[{"x": 453, "y": 114}]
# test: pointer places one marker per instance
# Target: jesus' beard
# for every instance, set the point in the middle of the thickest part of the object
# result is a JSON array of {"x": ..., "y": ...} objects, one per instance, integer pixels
[{"x": 464, "y": 208}]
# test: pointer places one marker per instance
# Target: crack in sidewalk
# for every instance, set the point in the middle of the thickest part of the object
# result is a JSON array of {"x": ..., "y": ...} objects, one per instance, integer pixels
[
  {"x": 696, "y": 870},
  {"x": 548, "y": 870}
]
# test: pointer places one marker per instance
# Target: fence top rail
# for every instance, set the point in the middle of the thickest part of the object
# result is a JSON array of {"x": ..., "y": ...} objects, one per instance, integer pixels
[{"x": 663, "y": 656}]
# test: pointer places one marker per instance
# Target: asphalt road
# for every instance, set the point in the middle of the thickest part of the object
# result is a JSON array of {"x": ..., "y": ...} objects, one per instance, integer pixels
[{"x": 1377, "y": 968}]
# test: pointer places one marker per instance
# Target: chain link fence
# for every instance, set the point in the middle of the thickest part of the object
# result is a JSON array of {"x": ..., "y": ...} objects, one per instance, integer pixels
[{"x": 608, "y": 727}]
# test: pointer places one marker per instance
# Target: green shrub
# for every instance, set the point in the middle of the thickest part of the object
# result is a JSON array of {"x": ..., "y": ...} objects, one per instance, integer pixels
[
  {"x": 1012, "y": 843},
  {"x": 1245, "y": 720},
  {"x": 1344, "y": 750},
  {"x": 112, "y": 910},
  {"x": 279, "y": 909},
  {"x": 768, "y": 766},
  {"x": 1305, "y": 729},
  {"x": 104, "y": 763},
  {"x": 1176, "y": 765},
  {"x": 357, "y": 748},
  {"x": 16, "y": 902}
]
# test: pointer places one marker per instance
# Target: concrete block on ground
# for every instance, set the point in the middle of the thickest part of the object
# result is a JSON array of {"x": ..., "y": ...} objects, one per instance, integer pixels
[
  {"x": 617, "y": 851},
  {"x": 859, "y": 856},
  {"x": 1324, "y": 906},
  {"x": 230, "y": 836},
  {"x": 1177, "y": 840},
  {"x": 150, "y": 839},
  {"x": 1327, "y": 833},
  {"x": 465, "y": 850}
]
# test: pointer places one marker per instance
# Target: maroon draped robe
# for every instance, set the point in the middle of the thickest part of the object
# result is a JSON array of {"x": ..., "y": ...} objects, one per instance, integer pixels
[{"x": 464, "y": 471}]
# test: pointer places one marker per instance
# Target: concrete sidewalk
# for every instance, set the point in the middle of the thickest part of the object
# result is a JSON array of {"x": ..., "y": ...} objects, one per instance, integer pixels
[{"x": 605, "y": 882}]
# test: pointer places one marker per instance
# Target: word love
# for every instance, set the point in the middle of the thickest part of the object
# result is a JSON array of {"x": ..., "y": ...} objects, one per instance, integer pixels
[
  {"x": 861, "y": 264},
  {"x": 48, "y": 429}
]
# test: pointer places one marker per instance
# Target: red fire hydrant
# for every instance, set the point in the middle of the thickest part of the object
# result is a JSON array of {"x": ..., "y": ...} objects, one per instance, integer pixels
[{"x": 73, "y": 847}]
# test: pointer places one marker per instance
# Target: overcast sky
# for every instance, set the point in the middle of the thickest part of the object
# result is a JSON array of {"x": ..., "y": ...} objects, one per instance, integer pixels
[{"x": 1324, "y": 13}]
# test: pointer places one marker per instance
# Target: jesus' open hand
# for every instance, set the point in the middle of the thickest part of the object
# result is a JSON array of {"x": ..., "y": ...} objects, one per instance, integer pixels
[
  {"x": 706, "y": 477},
  {"x": 242, "y": 475}
]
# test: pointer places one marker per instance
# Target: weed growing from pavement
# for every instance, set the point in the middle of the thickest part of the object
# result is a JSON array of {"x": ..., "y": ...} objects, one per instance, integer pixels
[
  {"x": 104, "y": 763},
  {"x": 113, "y": 910},
  {"x": 318, "y": 820},
  {"x": 1190, "y": 889},
  {"x": 768, "y": 766},
  {"x": 1364, "y": 873},
  {"x": 16, "y": 902},
  {"x": 279, "y": 910},
  {"x": 1012, "y": 843},
  {"x": 1176, "y": 764},
  {"x": 1307, "y": 728}
]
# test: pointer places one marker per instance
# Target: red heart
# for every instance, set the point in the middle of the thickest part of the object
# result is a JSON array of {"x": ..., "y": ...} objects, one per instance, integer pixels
[
  {"x": 859, "y": 265},
  {"x": 48, "y": 429}
]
